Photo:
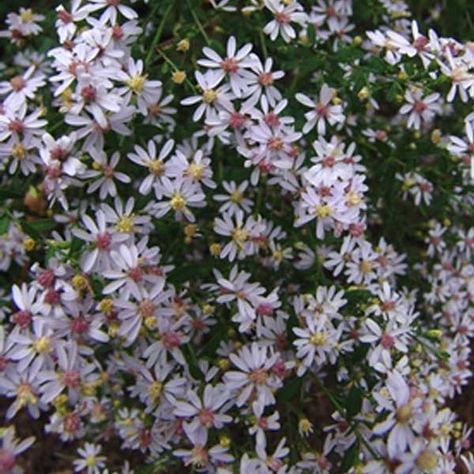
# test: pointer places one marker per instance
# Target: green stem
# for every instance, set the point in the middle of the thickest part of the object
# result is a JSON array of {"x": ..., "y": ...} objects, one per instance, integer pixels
[
  {"x": 157, "y": 37},
  {"x": 353, "y": 423},
  {"x": 262, "y": 42},
  {"x": 198, "y": 23},
  {"x": 173, "y": 65}
]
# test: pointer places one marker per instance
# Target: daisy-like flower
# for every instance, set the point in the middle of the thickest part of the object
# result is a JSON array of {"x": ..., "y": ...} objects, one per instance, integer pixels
[
  {"x": 274, "y": 461},
  {"x": 262, "y": 82},
  {"x": 254, "y": 377},
  {"x": 464, "y": 148},
  {"x": 11, "y": 448},
  {"x": 60, "y": 152},
  {"x": 101, "y": 237},
  {"x": 180, "y": 194},
  {"x": 15, "y": 123},
  {"x": 234, "y": 65},
  {"x": 420, "y": 110},
  {"x": 154, "y": 162},
  {"x": 125, "y": 219},
  {"x": 263, "y": 423},
  {"x": 25, "y": 299},
  {"x": 23, "y": 154},
  {"x": 22, "y": 88},
  {"x": 212, "y": 98},
  {"x": 243, "y": 235},
  {"x": 138, "y": 86},
  {"x": 316, "y": 344},
  {"x": 23, "y": 24},
  {"x": 394, "y": 337},
  {"x": 104, "y": 170},
  {"x": 24, "y": 388},
  {"x": 196, "y": 168},
  {"x": 234, "y": 201},
  {"x": 143, "y": 307},
  {"x": 66, "y": 19},
  {"x": 160, "y": 113},
  {"x": 154, "y": 387},
  {"x": 398, "y": 421},
  {"x": 284, "y": 14},
  {"x": 112, "y": 9},
  {"x": 322, "y": 111},
  {"x": 34, "y": 348},
  {"x": 73, "y": 371},
  {"x": 204, "y": 413},
  {"x": 90, "y": 461},
  {"x": 128, "y": 270},
  {"x": 200, "y": 456}
]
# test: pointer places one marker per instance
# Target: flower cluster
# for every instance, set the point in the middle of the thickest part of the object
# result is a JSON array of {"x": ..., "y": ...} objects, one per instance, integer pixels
[{"x": 236, "y": 249}]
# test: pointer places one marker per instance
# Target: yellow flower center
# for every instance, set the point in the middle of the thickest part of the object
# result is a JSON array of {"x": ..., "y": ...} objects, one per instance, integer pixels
[
  {"x": 154, "y": 390},
  {"x": 318, "y": 339},
  {"x": 236, "y": 197},
  {"x": 209, "y": 96},
  {"x": 156, "y": 167},
  {"x": 353, "y": 199},
  {"x": 195, "y": 170},
  {"x": 427, "y": 461},
  {"x": 125, "y": 224},
  {"x": 136, "y": 83},
  {"x": 27, "y": 16},
  {"x": 25, "y": 396},
  {"x": 106, "y": 306},
  {"x": 80, "y": 282},
  {"x": 42, "y": 345},
  {"x": 18, "y": 151},
  {"x": 240, "y": 236},
  {"x": 404, "y": 413},
  {"x": 178, "y": 203},
  {"x": 365, "y": 266},
  {"x": 323, "y": 211}
]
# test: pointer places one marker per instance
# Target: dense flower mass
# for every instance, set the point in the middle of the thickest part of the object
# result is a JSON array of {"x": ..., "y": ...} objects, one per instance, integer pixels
[{"x": 236, "y": 236}]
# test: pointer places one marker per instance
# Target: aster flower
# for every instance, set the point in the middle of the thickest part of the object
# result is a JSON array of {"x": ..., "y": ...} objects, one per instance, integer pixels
[
  {"x": 102, "y": 238},
  {"x": 90, "y": 460},
  {"x": 234, "y": 65},
  {"x": 206, "y": 413},
  {"x": 153, "y": 161},
  {"x": 143, "y": 307},
  {"x": 180, "y": 194},
  {"x": 200, "y": 456},
  {"x": 322, "y": 110},
  {"x": 420, "y": 109},
  {"x": 138, "y": 86},
  {"x": 11, "y": 448},
  {"x": 283, "y": 15},
  {"x": 72, "y": 372},
  {"x": 21, "y": 88},
  {"x": 113, "y": 9},
  {"x": 104, "y": 169},
  {"x": 60, "y": 153},
  {"x": 235, "y": 200},
  {"x": 254, "y": 377},
  {"x": 212, "y": 97}
]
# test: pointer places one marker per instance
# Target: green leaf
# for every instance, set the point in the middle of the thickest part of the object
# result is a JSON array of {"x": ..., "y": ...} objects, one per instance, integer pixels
[
  {"x": 350, "y": 457},
  {"x": 38, "y": 228},
  {"x": 10, "y": 193},
  {"x": 4, "y": 224},
  {"x": 290, "y": 390},
  {"x": 354, "y": 402},
  {"x": 311, "y": 34}
]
